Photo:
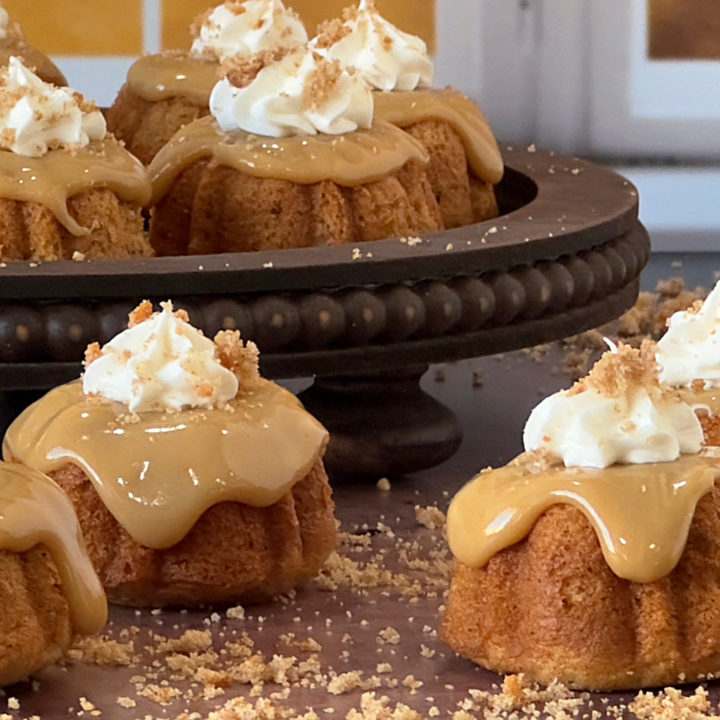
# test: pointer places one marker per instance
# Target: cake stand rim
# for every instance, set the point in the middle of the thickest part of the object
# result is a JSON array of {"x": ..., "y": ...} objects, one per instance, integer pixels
[{"x": 545, "y": 228}]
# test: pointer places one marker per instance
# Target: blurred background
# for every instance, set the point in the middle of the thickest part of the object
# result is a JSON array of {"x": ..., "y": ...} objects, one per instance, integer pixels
[{"x": 634, "y": 84}]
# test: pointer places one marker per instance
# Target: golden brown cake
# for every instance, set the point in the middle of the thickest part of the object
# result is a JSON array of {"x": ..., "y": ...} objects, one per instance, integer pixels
[
  {"x": 255, "y": 187},
  {"x": 165, "y": 92},
  {"x": 711, "y": 426},
  {"x": 465, "y": 162},
  {"x": 145, "y": 118},
  {"x": 66, "y": 186},
  {"x": 48, "y": 589},
  {"x": 200, "y": 482},
  {"x": 31, "y": 231},
  {"x": 604, "y": 575},
  {"x": 235, "y": 552}
]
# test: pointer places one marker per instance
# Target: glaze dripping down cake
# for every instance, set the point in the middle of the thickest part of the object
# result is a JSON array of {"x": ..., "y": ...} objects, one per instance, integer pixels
[
  {"x": 594, "y": 558},
  {"x": 464, "y": 160},
  {"x": 49, "y": 591},
  {"x": 195, "y": 480},
  {"x": 66, "y": 185},
  {"x": 289, "y": 158}
]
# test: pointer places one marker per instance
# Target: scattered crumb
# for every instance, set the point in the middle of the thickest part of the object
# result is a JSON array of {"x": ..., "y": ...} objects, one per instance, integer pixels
[
  {"x": 389, "y": 635},
  {"x": 86, "y": 705},
  {"x": 346, "y": 682},
  {"x": 383, "y": 484},
  {"x": 100, "y": 650},
  {"x": 430, "y": 517},
  {"x": 236, "y": 613},
  {"x": 671, "y": 704}
]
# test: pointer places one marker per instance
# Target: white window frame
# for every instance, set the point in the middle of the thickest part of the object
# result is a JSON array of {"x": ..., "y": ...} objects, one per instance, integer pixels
[
  {"x": 561, "y": 74},
  {"x": 648, "y": 107}
]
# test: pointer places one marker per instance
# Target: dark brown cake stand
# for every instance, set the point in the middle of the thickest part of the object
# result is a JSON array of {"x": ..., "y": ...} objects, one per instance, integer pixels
[{"x": 564, "y": 256}]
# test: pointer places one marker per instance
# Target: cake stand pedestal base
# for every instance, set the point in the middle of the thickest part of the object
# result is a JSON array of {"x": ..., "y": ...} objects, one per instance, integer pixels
[{"x": 382, "y": 424}]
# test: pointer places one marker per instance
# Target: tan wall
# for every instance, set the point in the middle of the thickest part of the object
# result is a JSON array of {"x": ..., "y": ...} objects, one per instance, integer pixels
[
  {"x": 413, "y": 16},
  {"x": 97, "y": 28},
  {"x": 81, "y": 27}
]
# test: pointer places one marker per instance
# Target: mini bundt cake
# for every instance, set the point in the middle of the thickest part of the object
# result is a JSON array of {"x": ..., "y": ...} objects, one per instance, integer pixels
[
  {"x": 594, "y": 558},
  {"x": 195, "y": 481},
  {"x": 13, "y": 43},
  {"x": 465, "y": 162},
  {"x": 165, "y": 92},
  {"x": 689, "y": 359},
  {"x": 66, "y": 186},
  {"x": 306, "y": 167},
  {"x": 49, "y": 590},
  {"x": 235, "y": 552}
]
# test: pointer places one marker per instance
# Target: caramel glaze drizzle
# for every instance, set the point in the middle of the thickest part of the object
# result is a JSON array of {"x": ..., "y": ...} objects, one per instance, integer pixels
[
  {"x": 707, "y": 400},
  {"x": 158, "y": 472},
  {"x": 35, "y": 511},
  {"x": 641, "y": 513},
  {"x": 405, "y": 108},
  {"x": 59, "y": 174},
  {"x": 352, "y": 159},
  {"x": 161, "y": 77}
]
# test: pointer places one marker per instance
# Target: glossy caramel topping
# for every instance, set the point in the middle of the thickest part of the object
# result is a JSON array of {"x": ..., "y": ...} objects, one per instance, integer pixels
[
  {"x": 55, "y": 177},
  {"x": 641, "y": 513},
  {"x": 32, "y": 57},
  {"x": 708, "y": 400},
  {"x": 461, "y": 113},
  {"x": 35, "y": 511},
  {"x": 356, "y": 158},
  {"x": 158, "y": 472},
  {"x": 160, "y": 77}
]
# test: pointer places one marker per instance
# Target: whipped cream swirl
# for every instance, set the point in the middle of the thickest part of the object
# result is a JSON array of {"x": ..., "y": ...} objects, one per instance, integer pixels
[
  {"x": 388, "y": 58},
  {"x": 163, "y": 364},
  {"x": 690, "y": 349},
  {"x": 588, "y": 428},
  {"x": 237, "y": 29},
  {"x": 300, "y": 93},
  {"x": 38, "y": 117}
]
